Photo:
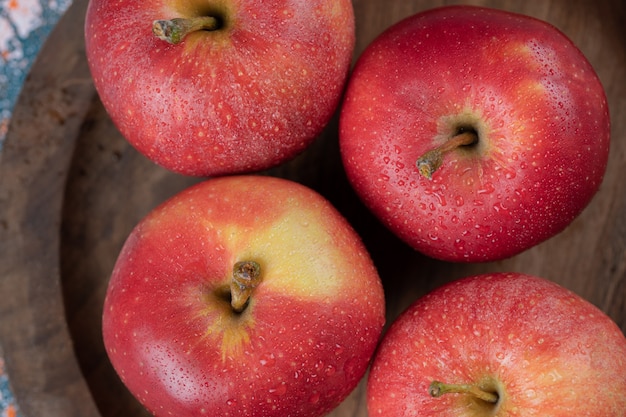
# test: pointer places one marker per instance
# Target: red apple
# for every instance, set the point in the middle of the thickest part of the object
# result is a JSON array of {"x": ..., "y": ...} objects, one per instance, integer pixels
[
  {"x": 500, "y": 345},
  {"x": 243, "y": 296},
  {"x": 249, "y": 86},
  {"x": 474, "y": 134}
]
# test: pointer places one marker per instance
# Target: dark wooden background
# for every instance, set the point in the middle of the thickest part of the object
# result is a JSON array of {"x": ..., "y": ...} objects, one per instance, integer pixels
[{"x": 71, "y": 189}]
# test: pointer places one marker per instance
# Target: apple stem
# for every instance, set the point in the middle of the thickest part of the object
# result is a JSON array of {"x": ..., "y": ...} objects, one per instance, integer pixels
[
  {"x": 428, "y": 163},
  {"x": 246, "y": 277},
  {"x": 174, "y": 30},
  {"x": 437, "y": 389}
]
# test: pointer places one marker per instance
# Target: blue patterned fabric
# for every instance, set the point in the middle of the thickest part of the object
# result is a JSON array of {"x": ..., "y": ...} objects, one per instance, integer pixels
[{"x": 24, "y": 26}]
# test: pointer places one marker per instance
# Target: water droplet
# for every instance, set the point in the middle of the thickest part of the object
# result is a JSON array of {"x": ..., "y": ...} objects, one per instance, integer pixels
[
  {"x": 330, "y": 370},
  {"x": 459, "y": 201},
  {"x": 386, "y": 159},
  {"x": 279, "y": 390},
  {"x": 510, "y": 175},
  {"x": 268, "y": 359},
  {"x": 487, "y": 188},
  {"x": 350, "y": 367},
  {"x": 459, "y": 244},
  {"x": 314, "y": 398}
]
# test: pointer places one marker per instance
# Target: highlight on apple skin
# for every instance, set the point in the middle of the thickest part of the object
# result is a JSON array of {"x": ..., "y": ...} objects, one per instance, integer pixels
[
  {"x": 243, "y": 296},
  {"x": 220, "y": 87},
  {"x": 502, "y": 344},
  {"x": 474, "y": 134}
]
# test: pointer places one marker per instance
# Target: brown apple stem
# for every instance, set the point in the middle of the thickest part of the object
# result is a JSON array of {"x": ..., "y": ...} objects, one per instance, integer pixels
[
  {"x": 246, "y": 277},
  {"x": 428, "y": 163},
  {"x": 174, "y": 30},
  {"x": 437, "y": 389}
]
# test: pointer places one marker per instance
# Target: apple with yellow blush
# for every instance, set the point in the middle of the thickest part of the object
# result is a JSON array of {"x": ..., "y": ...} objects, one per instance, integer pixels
[{"x": 243, "y": 296}]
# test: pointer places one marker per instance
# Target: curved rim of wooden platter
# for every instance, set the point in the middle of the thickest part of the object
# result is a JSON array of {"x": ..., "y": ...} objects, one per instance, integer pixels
[
  {"x": 35, "y": 161},
  {"x": 35, "y": 338}
]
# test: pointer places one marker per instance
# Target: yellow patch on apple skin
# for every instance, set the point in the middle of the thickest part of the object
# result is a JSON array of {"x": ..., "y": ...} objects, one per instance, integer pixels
[
  {"x": 234, "y": 335},
  {"x": 297, "y": 257},
  {"x": 230, "y": 329}
]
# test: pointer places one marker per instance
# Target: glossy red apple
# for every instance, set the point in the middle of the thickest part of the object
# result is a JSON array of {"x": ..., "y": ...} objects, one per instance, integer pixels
[
  {"x": 473, "y": 133},
  {"x": 500, "y": 345},
  {"x": 245, "y": 85},
  {"x": 243, "y": 296}
]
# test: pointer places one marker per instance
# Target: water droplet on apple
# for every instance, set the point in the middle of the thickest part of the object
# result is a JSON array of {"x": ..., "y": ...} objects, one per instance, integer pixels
[
  {"x": 314, "y": 398},
  {"x": 339, "y": 350},
  {"x": 330, "y": 370},
  {"x": 459, "y": 244},
  {"x": 440, "y": 90},
  {"x": 279, "y": 390},
  {"x": 487, "y": 188},
  {"x": 231, "y": 402},
  {"x": 467, "y": 87},
  {"x": 268, "y": 359},
  {"x": 386, "y": 159},
  {"x": 350, "y": 367}
]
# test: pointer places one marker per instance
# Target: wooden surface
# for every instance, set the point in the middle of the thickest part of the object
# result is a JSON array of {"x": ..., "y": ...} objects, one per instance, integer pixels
[{"x": 71, "y": 189}]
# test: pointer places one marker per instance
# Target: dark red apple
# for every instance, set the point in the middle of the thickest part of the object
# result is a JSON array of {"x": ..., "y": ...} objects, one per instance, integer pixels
[{"x": 473, "y": 133}]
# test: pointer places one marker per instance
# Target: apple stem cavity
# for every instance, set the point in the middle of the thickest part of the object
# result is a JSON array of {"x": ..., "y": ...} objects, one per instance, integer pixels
[
  {"x": 437, "y": 389},
  {"x": 174, "y": 31},
  {"x": 428, "y": 163},
  {"x": 246, "y": 277}
]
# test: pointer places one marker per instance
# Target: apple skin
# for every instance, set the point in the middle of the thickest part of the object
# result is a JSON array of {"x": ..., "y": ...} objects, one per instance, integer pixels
[
  {"x": 545, "y": 349},
  {"x": 535, "y": 102},
  {"x": 243, "y": 98},
  {"x": 309, "y": 330}
]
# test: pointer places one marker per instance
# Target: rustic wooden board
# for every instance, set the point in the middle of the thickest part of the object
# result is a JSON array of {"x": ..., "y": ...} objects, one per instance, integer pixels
[{"x": 71, "y": 189}]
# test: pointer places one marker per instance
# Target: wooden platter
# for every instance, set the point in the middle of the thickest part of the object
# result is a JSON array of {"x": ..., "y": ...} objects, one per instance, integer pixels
[{"x": 71, "y": 189}]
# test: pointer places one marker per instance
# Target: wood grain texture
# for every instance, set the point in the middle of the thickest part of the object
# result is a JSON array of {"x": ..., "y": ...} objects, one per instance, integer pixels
[{"x": 71, "y": 189}]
